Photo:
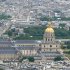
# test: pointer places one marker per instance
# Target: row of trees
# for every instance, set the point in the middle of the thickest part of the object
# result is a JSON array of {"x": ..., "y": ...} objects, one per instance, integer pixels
[
  {"x": 58, "y": 58},
  {"x": 36, "y": 33},
  {"x": 32, "y": 33},
  {"x": 67, "y": 52},
  {"x": 66, "y": 45},
  {"x": 30, "y": 58},
  {"x": 54, "y": 18},
  {"x": 4, "y": 16},
  {"x": 62, "y": 33}
]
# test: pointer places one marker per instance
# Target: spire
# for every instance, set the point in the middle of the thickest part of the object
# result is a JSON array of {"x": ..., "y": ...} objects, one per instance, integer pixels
[
  {"x": 49, "y": 12},
  {"x": 49, "y": 25},
  {"x": 49, "y": 22}
]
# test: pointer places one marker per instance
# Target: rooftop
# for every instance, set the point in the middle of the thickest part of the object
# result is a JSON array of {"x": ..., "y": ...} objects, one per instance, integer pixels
[
  {"x": 27, "y": 41},
  {"x": 8, "y": 50},
  {"x": 27, "y": 48}
]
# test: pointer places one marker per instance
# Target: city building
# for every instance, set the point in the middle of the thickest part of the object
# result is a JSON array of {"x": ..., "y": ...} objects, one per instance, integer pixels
[
  {"x": 8, "y": 53},
  {"x": 47, "y": 48},
  {"x": 49, "y": 44},
  {"x": 27, "y": 47}
]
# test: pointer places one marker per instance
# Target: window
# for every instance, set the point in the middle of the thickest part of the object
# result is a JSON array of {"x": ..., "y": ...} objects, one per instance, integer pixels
[
  {"x": 50, "y": 45},
  {"x": 48, "y": 39}
]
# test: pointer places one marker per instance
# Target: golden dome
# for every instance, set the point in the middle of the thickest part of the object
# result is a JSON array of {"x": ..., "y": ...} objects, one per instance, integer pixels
[{"x": 49, "y": 29}]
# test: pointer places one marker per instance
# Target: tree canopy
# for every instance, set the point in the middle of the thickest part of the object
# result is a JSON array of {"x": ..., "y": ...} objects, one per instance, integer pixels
[
  {"x": 31, "y": 59},
  {"x": 58, "y": 58},
  {"x": 4, "y": 16}
]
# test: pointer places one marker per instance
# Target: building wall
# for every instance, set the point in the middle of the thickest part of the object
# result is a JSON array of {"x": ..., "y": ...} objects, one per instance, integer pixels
[
  {"x": 29, "y": 52},
  {"x": 49, "y": 37},
  {"x": 8, "y": 56},
  {"x": 50, "y": 47}
]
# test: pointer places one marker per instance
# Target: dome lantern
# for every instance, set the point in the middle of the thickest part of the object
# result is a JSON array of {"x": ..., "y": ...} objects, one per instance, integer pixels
[{"x": 49, "y": 28}]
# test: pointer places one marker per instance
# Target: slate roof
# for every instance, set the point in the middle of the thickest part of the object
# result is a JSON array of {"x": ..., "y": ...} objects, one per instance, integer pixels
[
  {"x": 27, "y": 41},
  {"x": 6, "y": 43},
  {"x": 8, "y": 50},
  {"x": 27, "y": 48}
]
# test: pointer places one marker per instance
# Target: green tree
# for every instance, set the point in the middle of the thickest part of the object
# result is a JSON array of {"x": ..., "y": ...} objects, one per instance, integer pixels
[
  {"x": 9, "y": 33},
  {"x": 22, "y": 58},
  {"x": 4, "y": 16},
  {"x": 45, "y": 18},
  {"x": 31, "y": 59},
  {"x": 62, "y": 25},
  {"x": 58, "y": 58},
  {"x": 67, "y": 52},
  {"x": 63, "y": 46},
  {"x": 62, "y": 33}
]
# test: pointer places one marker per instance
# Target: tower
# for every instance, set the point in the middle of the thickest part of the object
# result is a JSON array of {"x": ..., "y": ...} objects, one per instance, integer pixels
[
  {"x": 49, "y": 42},
  {"x": 49, "y": 36}
]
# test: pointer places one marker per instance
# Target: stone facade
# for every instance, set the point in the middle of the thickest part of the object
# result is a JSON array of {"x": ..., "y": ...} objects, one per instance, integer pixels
[{"x": 49, "y": 43}]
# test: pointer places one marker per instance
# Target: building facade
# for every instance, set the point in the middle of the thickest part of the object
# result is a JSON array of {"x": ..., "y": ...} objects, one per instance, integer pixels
[
  {"x": 45, "y": 47},
  {"x": 49, "y": 43},
  {"x": 48, "y": 47}
]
